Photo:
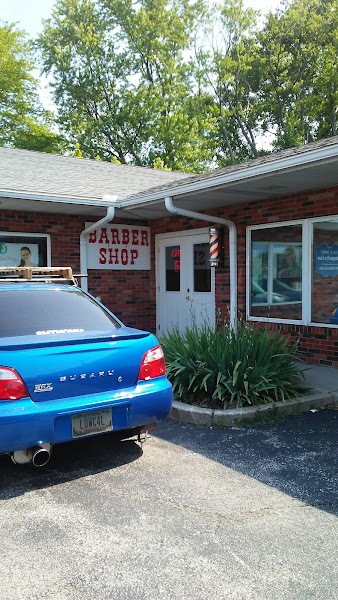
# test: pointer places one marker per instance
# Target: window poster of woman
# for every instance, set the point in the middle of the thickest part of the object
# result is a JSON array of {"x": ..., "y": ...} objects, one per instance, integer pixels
[{"x": 19, "y": 254}]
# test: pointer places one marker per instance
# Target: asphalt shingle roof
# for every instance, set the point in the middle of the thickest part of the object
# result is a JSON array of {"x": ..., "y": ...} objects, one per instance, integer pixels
[
  {"x": 25, "y": 171},
  {"x": 262, "y": 160}
]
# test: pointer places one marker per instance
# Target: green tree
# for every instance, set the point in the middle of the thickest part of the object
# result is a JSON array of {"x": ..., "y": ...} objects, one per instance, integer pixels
[
  {"x": 123, "y": 81},
  {"x": 23, "y": 121},
  {"x": 231, "y": 75},
  {"x": 188, "y": 86},
  {"x": 325, "y": 84},
  {"x": 299, "y": 88}
]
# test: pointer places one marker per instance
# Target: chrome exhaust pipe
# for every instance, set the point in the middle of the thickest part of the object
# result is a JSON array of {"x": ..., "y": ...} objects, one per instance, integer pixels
[{"x": 39, "y": 455}]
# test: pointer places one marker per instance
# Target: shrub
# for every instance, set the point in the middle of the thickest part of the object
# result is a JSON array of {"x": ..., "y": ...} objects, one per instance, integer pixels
[{"x": 221, "y": 368}]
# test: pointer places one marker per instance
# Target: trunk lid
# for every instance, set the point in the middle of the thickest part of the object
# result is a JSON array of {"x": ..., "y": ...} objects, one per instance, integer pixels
[{"x": 89, "y": 363}]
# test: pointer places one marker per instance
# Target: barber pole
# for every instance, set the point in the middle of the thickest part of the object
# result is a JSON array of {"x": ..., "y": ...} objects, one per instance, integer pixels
[{"x": 214, "y": 246}]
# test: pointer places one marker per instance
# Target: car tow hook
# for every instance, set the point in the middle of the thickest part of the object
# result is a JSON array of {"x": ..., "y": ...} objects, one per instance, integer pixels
[
  {"x": 143, "y": 433},
  {"x": 142, "y": 438}
]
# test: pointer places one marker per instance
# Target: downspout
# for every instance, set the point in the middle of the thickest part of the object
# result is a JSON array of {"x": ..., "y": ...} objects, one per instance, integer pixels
[
  {"x": 83, "y": 245},
  {"x": 232, "y": 249}
]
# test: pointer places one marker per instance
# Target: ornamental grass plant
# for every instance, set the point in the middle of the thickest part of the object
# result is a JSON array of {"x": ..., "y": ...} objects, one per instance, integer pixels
[{"x": 226, "y": 369}]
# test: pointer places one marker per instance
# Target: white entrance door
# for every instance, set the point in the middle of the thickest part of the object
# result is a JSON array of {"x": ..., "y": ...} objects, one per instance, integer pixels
[{"x": 185, "y": 281}]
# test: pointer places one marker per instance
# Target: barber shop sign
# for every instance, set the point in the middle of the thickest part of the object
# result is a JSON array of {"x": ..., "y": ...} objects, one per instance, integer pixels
[{"x": 119, "y": 247}]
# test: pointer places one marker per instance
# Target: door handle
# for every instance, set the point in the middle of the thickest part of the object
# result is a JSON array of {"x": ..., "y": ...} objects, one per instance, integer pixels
[{"x": 187, "y": 297}]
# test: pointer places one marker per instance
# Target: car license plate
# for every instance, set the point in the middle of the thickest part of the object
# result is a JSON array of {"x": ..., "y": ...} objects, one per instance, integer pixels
[{"x": 92, "y": 422}]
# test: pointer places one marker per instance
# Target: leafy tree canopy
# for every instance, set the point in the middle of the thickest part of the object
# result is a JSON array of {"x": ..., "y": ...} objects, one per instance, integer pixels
[
  {"x": 299, "y": 80},
  {"x": 23, "y": 121},
  {"x": 123, "y": 84},
  {"x": 187, "y": 85}
]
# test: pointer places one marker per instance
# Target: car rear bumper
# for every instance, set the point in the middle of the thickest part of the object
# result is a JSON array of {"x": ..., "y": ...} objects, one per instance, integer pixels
[{"x": 25, "y": 423}]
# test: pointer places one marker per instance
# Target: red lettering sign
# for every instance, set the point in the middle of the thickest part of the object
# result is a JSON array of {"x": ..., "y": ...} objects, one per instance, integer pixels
[
  {"x": 133, "y": 256},
  {"x": 115, "y": 236},
  {"x": 119, "y": 247},
  {"x": 103, "y": 237},
  {"x": 125, "y": 237},
  {"x": 113, "y": 256},
  {"x": 124, "y": 256},
  {"x": 103, "y": 256},
  {"x": 144, "y": 237}
]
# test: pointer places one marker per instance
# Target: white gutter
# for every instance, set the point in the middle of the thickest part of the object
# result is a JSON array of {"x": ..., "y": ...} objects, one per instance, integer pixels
[
  {"x": 293, "y": 162},
  {"x": 54, "y": 199},
  {"x": 232, "y": 249},
  {"x": 83, "y": 244}
]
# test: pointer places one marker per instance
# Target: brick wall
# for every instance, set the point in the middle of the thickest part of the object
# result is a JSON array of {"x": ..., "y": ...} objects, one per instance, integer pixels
[
  {"x": 126, "y": 293},
  {"x": 317, "y": 344},
  {"x": 132, "y": 294}
]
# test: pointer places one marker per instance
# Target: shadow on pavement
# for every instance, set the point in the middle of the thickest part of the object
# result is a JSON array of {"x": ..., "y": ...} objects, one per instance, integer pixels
[
  {"x": 298, "y": 456},
  {"x": 68, "y": 462}
]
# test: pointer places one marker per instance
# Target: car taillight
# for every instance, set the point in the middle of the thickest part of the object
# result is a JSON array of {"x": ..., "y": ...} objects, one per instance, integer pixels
[
  {"x": 152, "y": 365},
  {"x": 11, "y": 385}
]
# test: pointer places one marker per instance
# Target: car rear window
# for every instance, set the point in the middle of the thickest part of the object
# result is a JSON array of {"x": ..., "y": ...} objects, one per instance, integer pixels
[{"x": 54, "y": 311}]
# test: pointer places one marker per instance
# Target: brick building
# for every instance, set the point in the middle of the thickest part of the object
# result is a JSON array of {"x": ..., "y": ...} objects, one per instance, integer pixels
[{"x": 142, "y": 237}]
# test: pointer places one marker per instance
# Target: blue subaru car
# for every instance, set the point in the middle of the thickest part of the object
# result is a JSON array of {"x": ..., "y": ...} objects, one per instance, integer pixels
[{"x": 69, "y": 368}]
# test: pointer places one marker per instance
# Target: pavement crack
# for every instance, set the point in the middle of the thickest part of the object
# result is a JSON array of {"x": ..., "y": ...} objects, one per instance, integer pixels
[{"x": 214, "y": 517}]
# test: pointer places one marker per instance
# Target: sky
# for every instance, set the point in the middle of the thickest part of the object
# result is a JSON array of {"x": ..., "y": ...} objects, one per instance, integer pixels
[{"x": 29, "y": 13}]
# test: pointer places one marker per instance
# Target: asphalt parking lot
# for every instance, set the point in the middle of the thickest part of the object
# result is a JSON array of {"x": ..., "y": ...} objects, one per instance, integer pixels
[{"x": 202, "y": 514}]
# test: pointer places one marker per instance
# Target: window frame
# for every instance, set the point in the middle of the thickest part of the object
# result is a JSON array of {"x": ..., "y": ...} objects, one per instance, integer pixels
[
  {"x": 305, "y": 272},
  {"x": 307, "y": 275}
]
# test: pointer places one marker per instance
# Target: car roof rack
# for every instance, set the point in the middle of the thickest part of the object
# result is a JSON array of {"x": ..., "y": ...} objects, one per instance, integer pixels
[{"x": 47, "y": 274}]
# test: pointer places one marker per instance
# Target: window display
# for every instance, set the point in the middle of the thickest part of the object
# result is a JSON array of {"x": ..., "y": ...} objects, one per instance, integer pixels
[
  {"x": 324, "y": 293},
  {"x": 276, "y": 272},
  {"x": 24, "y": 250}
]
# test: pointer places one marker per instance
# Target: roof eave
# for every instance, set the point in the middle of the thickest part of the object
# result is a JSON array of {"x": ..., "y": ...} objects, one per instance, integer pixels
[
  {"x": 304, "y": 160},
  {"x": 53, "y": 199}
]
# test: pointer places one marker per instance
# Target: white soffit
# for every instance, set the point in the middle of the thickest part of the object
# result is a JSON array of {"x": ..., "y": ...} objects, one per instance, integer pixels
[{"x": 276, "y": 185}]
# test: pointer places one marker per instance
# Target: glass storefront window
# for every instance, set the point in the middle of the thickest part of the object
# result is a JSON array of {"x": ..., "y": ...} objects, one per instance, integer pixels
[
  {"x": 173, "y": 268},
  {"x": 294, "y": 272},
  {"x": 276, "y": 272},
  {"x": 202, "y": 269},
  {"x": 324, "y": 292},
  {"x": 287, "y": 271},
  {"x": 259, "y": 278},
  {"x": 22, "y": 250}
]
